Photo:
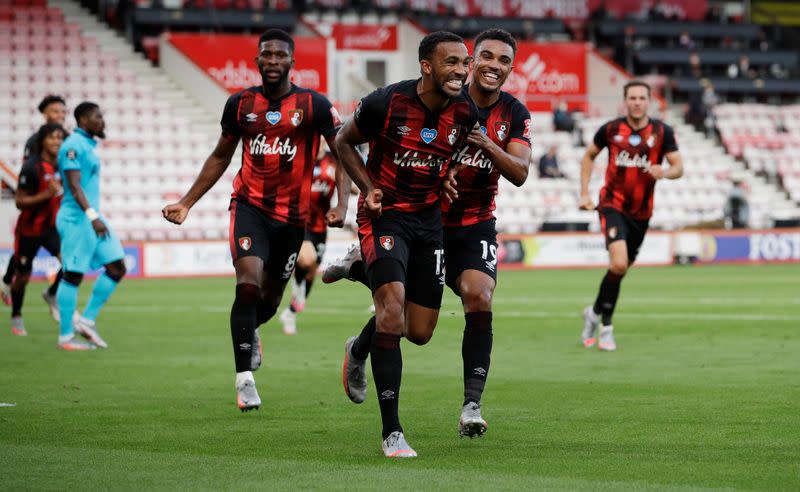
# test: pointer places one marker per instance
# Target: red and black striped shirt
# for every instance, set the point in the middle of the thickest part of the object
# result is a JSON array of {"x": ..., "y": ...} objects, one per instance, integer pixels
[
  {"x": 411, "y": 147},
  {"x": 628, "y": 187},
  {"x": 280, "y": 141},
  {"x": 506, "y": 121},
  {"x": 322, "y": 188},
  {"x": 35, "y": 178}
]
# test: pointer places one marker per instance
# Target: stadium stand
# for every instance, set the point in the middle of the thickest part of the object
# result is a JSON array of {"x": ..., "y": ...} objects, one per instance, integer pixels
[
  {"x": 157, "y": 139},
  {"x": 159, "y": 136}
]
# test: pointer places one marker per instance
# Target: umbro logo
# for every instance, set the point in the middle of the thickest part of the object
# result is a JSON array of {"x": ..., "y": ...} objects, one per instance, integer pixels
[
  {"x": 479, "y": 371},
  {"x": 403, "y": 131},
  {"x": 245, "y": 346},
  {"x": 251, "y": 117},
  {"x": 387, "y": 395},
  {"x": 441, "y": 280}
]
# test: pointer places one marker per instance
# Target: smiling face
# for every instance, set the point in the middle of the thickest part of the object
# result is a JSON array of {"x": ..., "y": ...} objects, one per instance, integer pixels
[
  {"x": 448, "y": 68},
  {"x": 55, "y": 112},
  {"x": 274, "y": 62},
  {"x": 492, "y": 64}
]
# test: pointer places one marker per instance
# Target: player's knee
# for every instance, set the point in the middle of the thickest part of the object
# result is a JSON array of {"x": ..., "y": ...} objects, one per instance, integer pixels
[
  {"x": 619, "y": 266},
  {"x": 73, "y": 278},
  {"x": 21, "y": 279},
  {"x": 116, "y": 270},
  {"x": 419, "y": 338},
  {"x": 389, "y": 316},
  {"x": 248, "y": 294},
  {"x": 477, "y": 299}
]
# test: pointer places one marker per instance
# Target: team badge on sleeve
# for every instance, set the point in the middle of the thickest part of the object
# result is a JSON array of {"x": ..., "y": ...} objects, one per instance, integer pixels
[
  {"x": 387, "y": 242},
  {"x": 452, "y": 134},
  {"x": 71, "y": 154},
  {"x": 501, "y": 130},
  {"x": 295, "y": 116},
  {"x": 527, "y": 132}
]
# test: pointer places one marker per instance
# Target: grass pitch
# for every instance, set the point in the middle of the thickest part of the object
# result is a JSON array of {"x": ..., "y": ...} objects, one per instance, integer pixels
[{"x": 703, "y": 393}]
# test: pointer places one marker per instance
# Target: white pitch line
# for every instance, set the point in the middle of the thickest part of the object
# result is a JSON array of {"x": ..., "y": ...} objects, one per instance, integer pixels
[
  {"x": 7, "y": 404},
  {"x": 150, "y": 309}
]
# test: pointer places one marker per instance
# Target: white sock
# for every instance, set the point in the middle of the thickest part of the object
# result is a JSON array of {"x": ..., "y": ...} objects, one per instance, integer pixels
[{"x": 241, "y": 377}]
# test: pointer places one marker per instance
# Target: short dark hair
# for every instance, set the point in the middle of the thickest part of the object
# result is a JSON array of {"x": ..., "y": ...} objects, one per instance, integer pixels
[
  {"x": 278, "y": 34},
  {"x": 48, "y": 129},
  {"x": 50, "y": 99},
  {"x": 635, "y": 83},
  {"x": 84, "y": 108},
  {"x": 429, "y": 43},
  {"x": 498, "y": 35}
]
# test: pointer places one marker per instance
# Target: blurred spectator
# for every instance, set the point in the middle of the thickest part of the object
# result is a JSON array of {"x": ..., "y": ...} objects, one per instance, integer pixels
[
  {"x": 741, "y": 70},
  {"x": 623, "y": 48},
  {"x": 710, "y": 100},
  {"x": 695, "y": 68},
  {"x": 548, "y": 164},
  {"x": 761, "y": 43},
  {"x": 686, "y": 42},
  {"x": 737, "y": 210},
  {"x": 562, "y": 118},
  {"x": 714, "y": 14}
]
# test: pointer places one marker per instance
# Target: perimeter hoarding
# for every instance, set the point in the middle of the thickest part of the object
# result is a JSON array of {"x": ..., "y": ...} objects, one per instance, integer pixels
[{"x": 229, "y": 59}]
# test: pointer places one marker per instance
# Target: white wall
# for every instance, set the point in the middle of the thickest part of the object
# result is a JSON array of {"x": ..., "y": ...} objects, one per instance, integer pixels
[
  {"x": 604, "y": 86},
  {"x": 191, "y": 78}
]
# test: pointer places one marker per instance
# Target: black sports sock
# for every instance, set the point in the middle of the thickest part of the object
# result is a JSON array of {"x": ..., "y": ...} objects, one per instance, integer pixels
[
  {"x": 54, "y": 286},
  {"x": 358, "y": 273},
  {"x": 309, "y": 284},
  {"x": 9, "y": 275},
  {"x": 243, "y": 324},
  {"x": 476, "y": 351},
  {"x": 363, "y": 343},
  {"x": 607, "y": 296},
  {"x": 387, "y": 369},
  {"x": 17, "y": 296}
]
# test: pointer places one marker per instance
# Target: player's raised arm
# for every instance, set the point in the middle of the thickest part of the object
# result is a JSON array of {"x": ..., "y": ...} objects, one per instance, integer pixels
[
  {"x": 213, "y": 168},
  {"x": 587, "y": 164}
]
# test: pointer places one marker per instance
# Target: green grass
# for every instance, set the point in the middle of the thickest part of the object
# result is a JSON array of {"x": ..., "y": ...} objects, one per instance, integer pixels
[{"x": 703, "y": 393}]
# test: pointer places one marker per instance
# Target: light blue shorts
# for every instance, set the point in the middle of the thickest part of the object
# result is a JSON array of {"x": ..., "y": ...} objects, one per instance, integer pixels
[{"x": 81, "y": 249}]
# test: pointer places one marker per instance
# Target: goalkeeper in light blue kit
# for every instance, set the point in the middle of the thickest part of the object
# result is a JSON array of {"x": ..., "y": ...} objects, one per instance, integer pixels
[{"x": 87, "y": 242}]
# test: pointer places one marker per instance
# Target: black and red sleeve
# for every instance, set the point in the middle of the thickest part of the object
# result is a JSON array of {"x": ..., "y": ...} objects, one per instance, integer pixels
[
  {"x": 230, "y": 117},
  {"x": 520, "y": 124},
  {"x": 370, "y": 116},
  {"x": 669, "y": 145},
  {"x": 601, "y": 137},
  {"x": 29, "y": 177},
  {"x": 326, "y": 118}
]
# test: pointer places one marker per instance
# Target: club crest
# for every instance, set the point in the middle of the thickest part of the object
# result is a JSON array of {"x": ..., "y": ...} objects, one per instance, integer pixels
[
  {"x": 612, "y": 232},
  {"x": 387, "y": 242},
  {"x": 452, "y": 134},
  {"x": 651, "y": 141},
  {"x": 295, "y": 116},
  {"x": 245, "y": 243},
  {"x": 501, "y": 130},
  {"x": 273, "y": 117},
  {"x": 428, "y": 135}
]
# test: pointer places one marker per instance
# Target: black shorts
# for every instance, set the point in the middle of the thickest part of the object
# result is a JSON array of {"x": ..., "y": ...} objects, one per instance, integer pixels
[
  {"x": 472, "y": 247},
  {"x": 26, "y": 247},
  {"x": 405, "y": 247},
  {"x": 317, "y": 239},
  {"x": 253, "y": 233},
  {"x": 619, "y": 226}
]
